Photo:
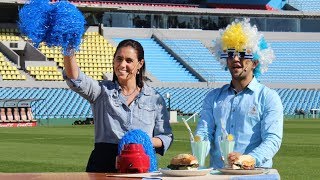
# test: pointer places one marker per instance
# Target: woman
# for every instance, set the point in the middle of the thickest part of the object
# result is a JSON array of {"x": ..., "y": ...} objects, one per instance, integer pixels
[{"x": 120, "y": 105}]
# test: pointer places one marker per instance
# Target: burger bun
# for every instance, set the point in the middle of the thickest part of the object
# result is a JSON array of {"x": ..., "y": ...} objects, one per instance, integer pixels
[
  {"x": 183, "y": 162},
  {"x": 244, "y": 162}
]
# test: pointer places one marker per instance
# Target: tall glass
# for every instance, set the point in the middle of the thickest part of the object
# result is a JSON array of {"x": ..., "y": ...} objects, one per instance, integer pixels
[
  {"x": 226, "y": 147},
  {"x": 200, "y": 150}
]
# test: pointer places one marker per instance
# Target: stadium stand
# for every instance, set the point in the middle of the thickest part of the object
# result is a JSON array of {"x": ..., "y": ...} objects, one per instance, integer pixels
[
  {"x": 296, "y": 63},
  {"x": 200, "y": 58},
  {"x": 8, "y": 70},
  {"x": 159, "y": 61},
  {"x": 63, "y": 103},
  {"x": 9, "y": 34},
  {"x": 293, "y": 70},
  {"x": 153, "y": 3},
  {"x": 46, "y": 73},
  {"x": 305, "y": 5},
  {"x": 179, "y": 61},
  {"x": 94, "y": 58}
]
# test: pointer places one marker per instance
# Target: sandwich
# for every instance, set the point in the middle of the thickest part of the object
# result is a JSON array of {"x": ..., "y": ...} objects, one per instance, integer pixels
[
  {"x": 244, "y": 162},
  {"x": 184, "y": 162}
]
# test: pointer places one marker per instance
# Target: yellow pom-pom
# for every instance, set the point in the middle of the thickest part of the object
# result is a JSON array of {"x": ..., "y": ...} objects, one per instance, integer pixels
[
  {"x": 234, "y": 37},
  {"x": 230, "y": 137},
  {"x": 197, "y": 138}
]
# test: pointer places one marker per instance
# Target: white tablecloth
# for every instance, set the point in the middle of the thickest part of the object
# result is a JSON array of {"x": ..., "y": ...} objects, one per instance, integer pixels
[{"x": 270, "y": 174}]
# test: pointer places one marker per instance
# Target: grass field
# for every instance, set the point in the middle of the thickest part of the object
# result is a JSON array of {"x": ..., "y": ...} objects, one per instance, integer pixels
[{"x": 67, "y": 148}]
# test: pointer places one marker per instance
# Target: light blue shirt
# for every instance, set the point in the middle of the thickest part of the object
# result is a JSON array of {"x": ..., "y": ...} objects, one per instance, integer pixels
[
  {"x": 113, "y": 117},
  {"x": 253, "y": 116}
]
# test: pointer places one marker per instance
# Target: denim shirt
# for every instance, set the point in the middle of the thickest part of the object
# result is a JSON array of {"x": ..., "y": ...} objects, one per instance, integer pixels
[
  {"x": 113, "y": 117},
  {"x": 254, "y": 117}
]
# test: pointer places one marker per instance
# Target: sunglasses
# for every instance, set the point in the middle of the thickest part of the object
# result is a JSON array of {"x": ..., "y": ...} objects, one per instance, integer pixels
[{"x": 231, "y": 53}]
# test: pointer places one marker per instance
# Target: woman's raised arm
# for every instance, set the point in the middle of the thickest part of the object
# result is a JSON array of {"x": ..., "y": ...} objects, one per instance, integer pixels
[{"x": 71, "y": 67}]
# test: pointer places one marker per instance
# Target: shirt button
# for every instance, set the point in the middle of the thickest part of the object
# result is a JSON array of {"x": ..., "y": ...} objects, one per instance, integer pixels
[
  {"x": 233, "y": 110},
  {"x": 231, "y": 126}
]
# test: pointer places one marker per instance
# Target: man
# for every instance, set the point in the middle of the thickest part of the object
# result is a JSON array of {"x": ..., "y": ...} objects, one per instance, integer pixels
[{"x": 250, "y": 111}]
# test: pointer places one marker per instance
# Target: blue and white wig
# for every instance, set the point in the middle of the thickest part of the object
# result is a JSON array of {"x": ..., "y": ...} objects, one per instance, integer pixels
[{"x": 240, "y": 36}]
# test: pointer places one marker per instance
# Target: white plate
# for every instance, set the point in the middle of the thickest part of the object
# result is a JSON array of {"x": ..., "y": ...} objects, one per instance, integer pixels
[
  {"x": 198, "y": 172},
  {"x": 243, "y": 171}
]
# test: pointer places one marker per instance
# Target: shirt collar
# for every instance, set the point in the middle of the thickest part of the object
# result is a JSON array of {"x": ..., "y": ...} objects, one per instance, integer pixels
[
  {"x": 117, "y": 86},
  {"x": 146, "y": 90},
  {"x": 253, "y": 85}
]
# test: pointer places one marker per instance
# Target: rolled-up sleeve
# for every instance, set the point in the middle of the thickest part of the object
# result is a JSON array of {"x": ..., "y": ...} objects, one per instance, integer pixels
[
  {"x": 205, "y": 126},
  {"x": 84, "y": 85},
  {"x": 162, "y": 127},
  {"x": 271, "y": 129}
]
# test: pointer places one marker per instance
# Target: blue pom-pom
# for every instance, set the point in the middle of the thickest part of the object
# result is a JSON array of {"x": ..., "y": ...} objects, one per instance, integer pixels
[
  {"x": 66, "y": 26},
  {"x": 59, "y": 24},
  {"x": 34, "y": 20},
  {"x": 140, "y": 137}
]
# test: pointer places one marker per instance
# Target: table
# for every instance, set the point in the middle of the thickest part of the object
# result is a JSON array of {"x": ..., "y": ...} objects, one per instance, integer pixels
[
  {"x": 55, "y": 176},
  {"x": 272, "y": 174}
]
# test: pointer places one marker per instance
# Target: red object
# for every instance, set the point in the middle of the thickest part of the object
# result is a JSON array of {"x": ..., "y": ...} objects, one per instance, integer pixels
[
  {"x": 18, "y": 124},
  {"x": 132, "y": 159}
]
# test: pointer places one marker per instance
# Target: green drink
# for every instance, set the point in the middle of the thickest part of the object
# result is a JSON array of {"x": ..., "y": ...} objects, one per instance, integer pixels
[
  {"x": 226, "y": 147},
  {"x": 200, "y": 150}
]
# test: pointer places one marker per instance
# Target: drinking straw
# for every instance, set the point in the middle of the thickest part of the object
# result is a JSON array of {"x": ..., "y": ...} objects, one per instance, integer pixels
[{"x": 189, "y": 129}]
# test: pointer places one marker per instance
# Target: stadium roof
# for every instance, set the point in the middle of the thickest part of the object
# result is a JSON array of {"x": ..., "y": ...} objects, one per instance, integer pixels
[
  {"x": 102, "y": 7},
  {"x": 200, "y": 11},
  {"x": 17, "y": 102},
  {"x": 209, "y": 11}
]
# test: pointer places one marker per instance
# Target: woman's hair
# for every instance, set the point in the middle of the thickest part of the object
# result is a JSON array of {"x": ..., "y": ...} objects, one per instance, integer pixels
[{"x": 140, "y": 54}]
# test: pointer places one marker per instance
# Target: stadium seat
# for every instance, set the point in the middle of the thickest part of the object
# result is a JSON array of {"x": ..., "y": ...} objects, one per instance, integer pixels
[
  {"x": 10, "y": 115},
  {"x": 23, "y": 114},
  {"x": 30, "y": 115},
  {"x": 9, "y": 77},
  {"x": 4, "y": 76},
  {"x": 161, "y": 63},
  {"x": 3, "y": 117},
  {"x": 16, "y": 115}
]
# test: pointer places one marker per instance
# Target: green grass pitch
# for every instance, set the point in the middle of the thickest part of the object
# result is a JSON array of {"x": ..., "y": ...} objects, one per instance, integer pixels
[{"x": 67, "y": 148}]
